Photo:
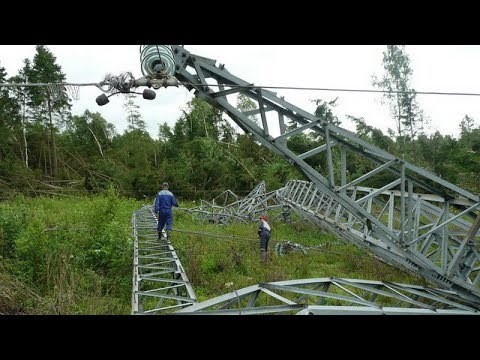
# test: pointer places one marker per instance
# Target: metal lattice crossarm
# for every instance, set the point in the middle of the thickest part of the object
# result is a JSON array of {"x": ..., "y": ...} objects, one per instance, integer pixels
[
  {"x": 160, "y": 284},
  {"x": 217, "y": 211},
  {"x": 319, "y": 208},
  {"x": 334, "y": 296},
  {"x": 435, "y": 231},
  {"x": 228, "y": 207}
]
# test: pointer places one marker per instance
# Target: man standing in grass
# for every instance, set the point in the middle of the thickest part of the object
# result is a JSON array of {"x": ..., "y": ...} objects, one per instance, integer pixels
[
  {"x": 163, "y": 209},
  {"x": 264, "y": 231}
]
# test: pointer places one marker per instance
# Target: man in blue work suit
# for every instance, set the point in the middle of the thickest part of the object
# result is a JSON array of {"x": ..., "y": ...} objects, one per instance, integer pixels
[{"x": 163, "y": 209}]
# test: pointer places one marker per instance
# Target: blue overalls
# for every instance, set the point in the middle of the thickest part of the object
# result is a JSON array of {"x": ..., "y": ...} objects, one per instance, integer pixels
[{"x": 163, "y": 207}]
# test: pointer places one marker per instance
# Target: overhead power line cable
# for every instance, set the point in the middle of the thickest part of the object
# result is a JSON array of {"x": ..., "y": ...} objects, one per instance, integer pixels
[
  {"x": 338, "y": 89},
  {"x": 252, "y": 86},
  {"x": 48, "y": 84}
]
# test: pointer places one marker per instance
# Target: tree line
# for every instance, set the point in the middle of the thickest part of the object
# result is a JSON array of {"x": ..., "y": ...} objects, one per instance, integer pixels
[{"x": 44, "y": 149}]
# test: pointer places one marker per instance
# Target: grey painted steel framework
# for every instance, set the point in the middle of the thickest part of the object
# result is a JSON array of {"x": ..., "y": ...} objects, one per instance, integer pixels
[
  {"x": 160, "y": 285},
  {"x": 415, "y": 218},
  {"x": 227, "y": 207},
  {"x": 335, "y": 296}
]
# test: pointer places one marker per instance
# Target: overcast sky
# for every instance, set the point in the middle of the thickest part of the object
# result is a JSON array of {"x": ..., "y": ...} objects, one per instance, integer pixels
[{"x": 435, "y": 68}]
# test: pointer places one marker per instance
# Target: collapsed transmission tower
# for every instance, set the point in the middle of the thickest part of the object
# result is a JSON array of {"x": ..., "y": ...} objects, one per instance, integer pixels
[
  {"x": 160, "y": 284},
  {"x": 227, "y": 206},
  {"x": 335, "y": 296},
  {"x": 432, "y": 225}
]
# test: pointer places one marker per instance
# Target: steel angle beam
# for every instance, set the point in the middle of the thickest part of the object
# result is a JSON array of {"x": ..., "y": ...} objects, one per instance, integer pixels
[
  {"x": 335, "y": 296},
  {"x": 160, "y": 284}
]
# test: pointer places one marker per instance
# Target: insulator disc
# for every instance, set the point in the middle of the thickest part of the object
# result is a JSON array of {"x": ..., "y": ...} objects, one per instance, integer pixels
[{"x": 153, "y": 55}]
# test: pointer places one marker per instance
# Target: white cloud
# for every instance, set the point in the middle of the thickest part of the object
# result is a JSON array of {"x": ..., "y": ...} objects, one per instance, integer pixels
[{"x": 435, "y": 68}]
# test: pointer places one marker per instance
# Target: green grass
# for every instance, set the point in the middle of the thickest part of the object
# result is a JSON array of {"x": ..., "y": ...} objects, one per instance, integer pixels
[
  {"x": 74, "y": 256},
  {"x": 216, "y": 266}
]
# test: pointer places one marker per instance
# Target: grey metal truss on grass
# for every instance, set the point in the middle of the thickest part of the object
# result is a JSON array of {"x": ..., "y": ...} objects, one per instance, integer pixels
[
  {"x": 228, "y": 207},
  {"x": 325, "y": 211},
  {"x": 414, "y": 218},
  {"x": 160, "y": 284},
  {"x": 335, "y": 296}
]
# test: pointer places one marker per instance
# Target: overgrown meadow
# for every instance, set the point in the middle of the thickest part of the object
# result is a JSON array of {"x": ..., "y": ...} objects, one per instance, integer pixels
[{"x": 73, "y": 255}]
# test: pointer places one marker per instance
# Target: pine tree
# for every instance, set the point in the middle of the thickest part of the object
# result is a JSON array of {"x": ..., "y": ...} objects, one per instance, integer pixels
[
  {"x": 21, "y": 96},
  {"x": 9, "y": 115},
  {"x": 49, "y": 105}
]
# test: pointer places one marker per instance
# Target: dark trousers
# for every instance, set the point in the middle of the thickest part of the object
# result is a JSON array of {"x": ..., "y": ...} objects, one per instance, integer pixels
[
  {"x": 264, "y": 242},
  {"x": 165, "y": 218}
]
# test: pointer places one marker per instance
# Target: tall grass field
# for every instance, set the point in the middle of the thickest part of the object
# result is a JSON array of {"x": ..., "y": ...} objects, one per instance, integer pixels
[{"x": 73, "y": 255}]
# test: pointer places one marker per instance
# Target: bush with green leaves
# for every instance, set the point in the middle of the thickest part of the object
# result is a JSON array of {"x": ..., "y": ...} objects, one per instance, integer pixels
[{"x": 71, "y": 249}]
